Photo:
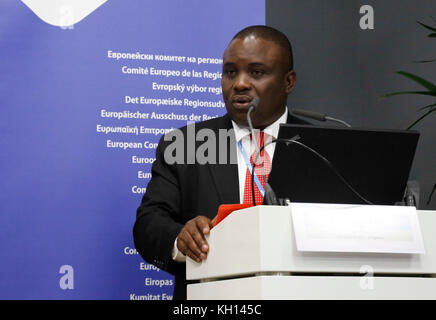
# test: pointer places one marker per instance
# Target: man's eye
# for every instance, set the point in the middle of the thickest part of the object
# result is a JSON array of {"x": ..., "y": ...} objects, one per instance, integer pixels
[
  {"x": 257, "y": 73},
  {"x": 230, "y": 72}
]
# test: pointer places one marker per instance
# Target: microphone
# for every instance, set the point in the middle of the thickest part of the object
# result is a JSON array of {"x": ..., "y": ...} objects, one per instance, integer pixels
[
  {"x": 269, "y": 195},
  {"x": 317, "y": 116}
]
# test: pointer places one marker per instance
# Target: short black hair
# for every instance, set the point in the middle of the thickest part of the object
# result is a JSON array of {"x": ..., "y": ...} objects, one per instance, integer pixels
[{"x": 269, "y": 33}]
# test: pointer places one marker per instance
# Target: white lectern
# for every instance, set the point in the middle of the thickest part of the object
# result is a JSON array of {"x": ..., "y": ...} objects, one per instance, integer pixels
[{"x": 253, "y": 256}]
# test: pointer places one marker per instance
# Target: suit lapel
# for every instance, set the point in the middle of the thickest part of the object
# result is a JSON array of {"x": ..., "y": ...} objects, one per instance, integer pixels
[{"x": 225, "y": 176}]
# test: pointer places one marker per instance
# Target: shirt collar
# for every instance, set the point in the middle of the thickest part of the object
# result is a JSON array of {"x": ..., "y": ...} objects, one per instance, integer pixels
[{"x": 272, "y": 130}]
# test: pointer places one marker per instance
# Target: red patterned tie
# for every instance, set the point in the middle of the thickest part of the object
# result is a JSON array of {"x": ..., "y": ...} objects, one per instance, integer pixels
[{"x": 248, "y": 198}]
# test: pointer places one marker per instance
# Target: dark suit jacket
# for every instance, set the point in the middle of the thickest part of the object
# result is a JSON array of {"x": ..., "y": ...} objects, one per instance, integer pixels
[{"x": 178, "y": 193}]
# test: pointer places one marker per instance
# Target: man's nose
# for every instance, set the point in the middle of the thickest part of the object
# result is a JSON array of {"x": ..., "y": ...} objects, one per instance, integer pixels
[{"x": 242, "y": 82}]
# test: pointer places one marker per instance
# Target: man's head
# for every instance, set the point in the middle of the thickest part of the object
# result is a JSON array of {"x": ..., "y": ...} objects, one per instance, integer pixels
[{"x": 258, "y": 62}]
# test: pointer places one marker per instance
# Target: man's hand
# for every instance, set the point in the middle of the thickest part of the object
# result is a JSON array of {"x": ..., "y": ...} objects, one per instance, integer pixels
[{"x": 191, "y": 241}]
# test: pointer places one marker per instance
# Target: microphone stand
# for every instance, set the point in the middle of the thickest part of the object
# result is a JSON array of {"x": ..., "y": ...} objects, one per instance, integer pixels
[
  {"x": 330, "y": 165},
  {"x": 318, "y": 116}
]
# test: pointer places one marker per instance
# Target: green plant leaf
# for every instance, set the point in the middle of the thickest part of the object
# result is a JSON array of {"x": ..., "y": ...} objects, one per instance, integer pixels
[
  {"x": 426, "y": 93},
  {"x": 429, "y": 106},
  {"x": 423, "y": 82},
  {"x": 420, "y": 118},
  {"x": 426, "y": 26},
  {"x": 424, "y": 61},
  {"x": 426, "y": 84},
  {"x": 431, "y": 194}
]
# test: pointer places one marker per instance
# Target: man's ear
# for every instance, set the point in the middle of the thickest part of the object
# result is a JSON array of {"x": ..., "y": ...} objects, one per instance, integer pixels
[{"x": 291, "y": 78}]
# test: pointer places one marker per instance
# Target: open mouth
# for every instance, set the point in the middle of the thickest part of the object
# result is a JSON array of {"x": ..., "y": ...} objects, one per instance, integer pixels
[{"x": 241, "y": 102}]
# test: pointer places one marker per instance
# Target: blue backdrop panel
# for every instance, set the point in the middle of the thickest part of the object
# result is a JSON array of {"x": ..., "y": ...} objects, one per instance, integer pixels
[{"x": 68, "y": 197}]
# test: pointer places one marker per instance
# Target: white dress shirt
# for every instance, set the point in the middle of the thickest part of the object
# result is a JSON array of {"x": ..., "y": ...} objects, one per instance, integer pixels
[{"x": 243, "y": 134}]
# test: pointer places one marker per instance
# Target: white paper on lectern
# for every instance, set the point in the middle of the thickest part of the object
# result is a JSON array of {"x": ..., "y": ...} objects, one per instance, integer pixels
[{"x": 356, "y": 228}]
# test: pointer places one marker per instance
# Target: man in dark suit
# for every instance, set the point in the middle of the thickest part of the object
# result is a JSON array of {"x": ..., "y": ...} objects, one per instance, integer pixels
[{"x": 182, "y": 198}]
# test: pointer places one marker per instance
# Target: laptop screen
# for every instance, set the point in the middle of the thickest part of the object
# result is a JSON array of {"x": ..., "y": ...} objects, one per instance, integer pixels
[{"x": 376, "y": 163}]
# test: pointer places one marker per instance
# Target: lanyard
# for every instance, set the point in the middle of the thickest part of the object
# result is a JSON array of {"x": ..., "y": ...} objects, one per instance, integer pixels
[{"x": 250, "y": 168}]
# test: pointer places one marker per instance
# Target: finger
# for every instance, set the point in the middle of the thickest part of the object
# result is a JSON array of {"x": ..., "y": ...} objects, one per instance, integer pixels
[
  {"x": 183, "y": 248},
  {"x": 198, "y": 245},
  {"x": 200, "y": 240},
  {"x": 191, "y": 245},
  {"x": 196, "y": 235},
  {"x": 191, "y": 255},
  {"x": 204, "y": 224},
  {"x": 195, "y": 231},
  {"x": 212, "y": 223}
]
